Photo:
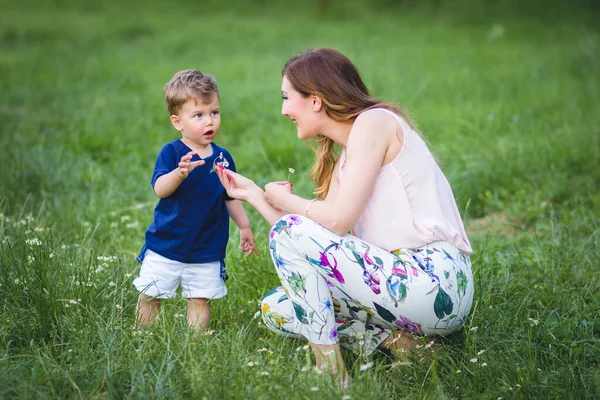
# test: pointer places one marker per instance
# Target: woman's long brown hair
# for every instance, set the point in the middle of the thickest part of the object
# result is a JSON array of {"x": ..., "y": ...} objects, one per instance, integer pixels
[{"x": 330, "y": 75}]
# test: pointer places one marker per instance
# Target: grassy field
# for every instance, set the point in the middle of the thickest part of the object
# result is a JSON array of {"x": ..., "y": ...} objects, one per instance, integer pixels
[{"x": 507, "y": 97}]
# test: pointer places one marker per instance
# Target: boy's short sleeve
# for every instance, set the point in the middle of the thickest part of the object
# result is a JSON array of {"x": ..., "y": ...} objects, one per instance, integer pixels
[{"x": 165, "y": 163}]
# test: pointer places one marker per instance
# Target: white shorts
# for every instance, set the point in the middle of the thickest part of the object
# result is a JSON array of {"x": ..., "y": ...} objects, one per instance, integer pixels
[{"x": 160, "y": 277}]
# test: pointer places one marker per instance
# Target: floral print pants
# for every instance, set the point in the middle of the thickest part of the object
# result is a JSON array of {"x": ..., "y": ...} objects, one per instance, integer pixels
[{"x": 342, "y": 289}]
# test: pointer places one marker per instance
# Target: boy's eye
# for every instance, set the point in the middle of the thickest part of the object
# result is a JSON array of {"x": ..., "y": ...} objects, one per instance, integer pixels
[
  {"x": 215, "y": 113},
  {"x": 283, "y": 97},
  {"x": 198, "y": 115}
]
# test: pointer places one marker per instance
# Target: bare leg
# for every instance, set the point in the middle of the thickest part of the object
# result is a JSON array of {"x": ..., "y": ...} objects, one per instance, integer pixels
[
  {"x": 147, "y": 308},
  {"x": 329, "y": 358},
  {"x": 198, "y": 313}
]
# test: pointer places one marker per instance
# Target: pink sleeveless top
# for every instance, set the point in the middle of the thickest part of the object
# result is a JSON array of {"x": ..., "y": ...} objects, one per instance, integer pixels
[{"x": 412, "y": 203}]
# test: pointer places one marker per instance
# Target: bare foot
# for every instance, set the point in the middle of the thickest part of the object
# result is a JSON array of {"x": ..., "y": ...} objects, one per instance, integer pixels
[{"x": 403, "y": 343}]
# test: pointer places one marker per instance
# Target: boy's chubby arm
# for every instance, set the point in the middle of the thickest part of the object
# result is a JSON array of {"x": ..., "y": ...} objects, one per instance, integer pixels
[
  {"x": 166, "y": 184},
  {"x": 239, "y": 216}
]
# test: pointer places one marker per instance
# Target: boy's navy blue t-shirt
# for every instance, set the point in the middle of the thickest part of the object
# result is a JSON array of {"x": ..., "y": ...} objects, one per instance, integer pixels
[{"x": 192, "y": 224}]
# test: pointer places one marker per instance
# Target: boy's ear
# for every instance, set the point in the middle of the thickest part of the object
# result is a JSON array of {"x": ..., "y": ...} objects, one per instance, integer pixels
[
  {"x": 317, "y": 103},
  {"x": 176, "y": 122}
]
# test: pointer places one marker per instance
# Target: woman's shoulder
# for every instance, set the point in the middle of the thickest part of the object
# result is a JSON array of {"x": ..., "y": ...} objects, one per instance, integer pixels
[{"x": 380, "y": 118}]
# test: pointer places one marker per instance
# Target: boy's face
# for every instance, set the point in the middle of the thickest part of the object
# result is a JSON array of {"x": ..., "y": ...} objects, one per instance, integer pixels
[{"x": 198, "y": 121}]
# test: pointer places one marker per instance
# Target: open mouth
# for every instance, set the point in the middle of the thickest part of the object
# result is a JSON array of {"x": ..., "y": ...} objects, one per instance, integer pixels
[{"x": 209, "y": 133}]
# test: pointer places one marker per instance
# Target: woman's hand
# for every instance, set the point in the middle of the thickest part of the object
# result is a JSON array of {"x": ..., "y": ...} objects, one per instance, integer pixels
[
  {"x": 237, "y": 186},
  {"x": 276, "y": 193}
]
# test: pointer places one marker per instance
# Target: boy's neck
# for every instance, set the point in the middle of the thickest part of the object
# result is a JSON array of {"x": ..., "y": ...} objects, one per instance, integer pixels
[{"x": 202, "y": 151}]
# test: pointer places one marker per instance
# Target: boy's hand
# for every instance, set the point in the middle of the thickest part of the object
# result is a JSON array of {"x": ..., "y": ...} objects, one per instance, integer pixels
[
  {"x": 186, "y": 166},
  {"x": 247, "y": 243}
]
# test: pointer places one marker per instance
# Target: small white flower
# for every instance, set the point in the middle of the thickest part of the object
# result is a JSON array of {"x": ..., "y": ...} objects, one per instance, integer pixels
[
  {"x": 251, "y": 364},
  {"x": 458, "y": 371},
  {"x": 314, "y": 388},
  {"x": 265, "y": 373},
  {"x": 210, "y": 332},
  {"x": 473, "y": 329},
  {"x": 366, "y": 366},
  {"x": 118, "y": 307},
  {"x": 305, "y": 347},
  {"x": 112, "y": 284},
  {"x": 473, "y": 360},
  {"x": 480, "y": 352},
  {"x": 484, "y": 364}
]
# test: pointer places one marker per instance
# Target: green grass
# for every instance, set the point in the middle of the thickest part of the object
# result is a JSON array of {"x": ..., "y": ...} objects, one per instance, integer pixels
[{"x": 507, "y": 96}]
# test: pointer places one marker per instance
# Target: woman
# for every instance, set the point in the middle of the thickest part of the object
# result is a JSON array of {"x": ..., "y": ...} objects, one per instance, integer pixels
[{"x": 405, "y": 266}]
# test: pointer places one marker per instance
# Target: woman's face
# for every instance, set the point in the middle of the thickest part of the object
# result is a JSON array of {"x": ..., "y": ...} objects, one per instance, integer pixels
[{"x": 299, "y": 109}]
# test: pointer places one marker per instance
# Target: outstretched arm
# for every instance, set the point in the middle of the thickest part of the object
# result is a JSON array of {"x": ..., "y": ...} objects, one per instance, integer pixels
[
  {"x": 242, "y": 188},
  {"x": 168, "y": 183}
]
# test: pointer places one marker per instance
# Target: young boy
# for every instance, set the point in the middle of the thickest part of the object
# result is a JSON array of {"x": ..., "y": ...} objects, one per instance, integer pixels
[{"x": 185, "y": 245}]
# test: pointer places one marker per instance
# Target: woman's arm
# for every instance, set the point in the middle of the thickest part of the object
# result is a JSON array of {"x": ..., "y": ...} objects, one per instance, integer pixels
[
  {"x": 368, "y": 143},
  {"x": 242, "y": 188}
]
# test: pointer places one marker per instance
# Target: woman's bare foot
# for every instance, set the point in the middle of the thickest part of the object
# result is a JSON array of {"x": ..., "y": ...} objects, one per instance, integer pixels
[
  {"x": 329, "y": 359},
  {"x": 400, "y": 344}
]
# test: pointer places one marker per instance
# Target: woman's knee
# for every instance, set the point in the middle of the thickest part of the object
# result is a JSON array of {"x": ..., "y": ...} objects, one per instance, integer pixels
[
  {"x": 273, "y": 310},
  {"x": 286, "y": 224}
]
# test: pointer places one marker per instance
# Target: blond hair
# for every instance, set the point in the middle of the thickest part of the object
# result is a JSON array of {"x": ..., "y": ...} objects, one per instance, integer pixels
[
  {"x": 329, "y": 74},
  {"x": 187, "y": 85}
]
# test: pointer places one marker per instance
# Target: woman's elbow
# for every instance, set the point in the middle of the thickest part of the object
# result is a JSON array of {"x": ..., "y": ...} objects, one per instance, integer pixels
[{"x": 340, "y": 227}]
